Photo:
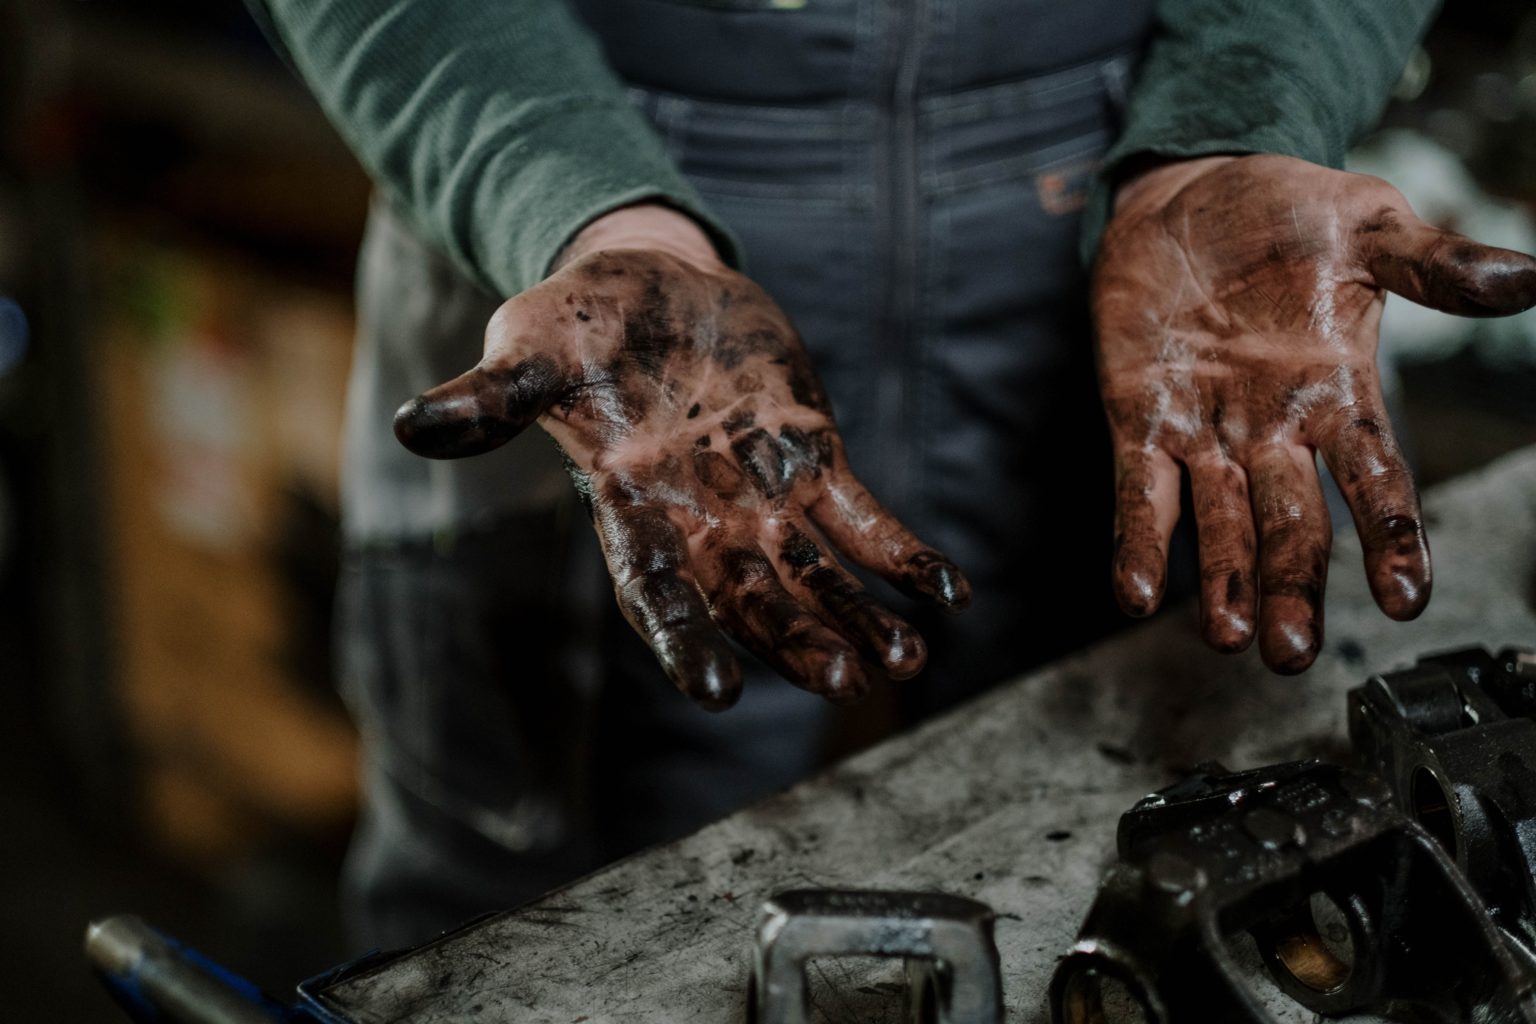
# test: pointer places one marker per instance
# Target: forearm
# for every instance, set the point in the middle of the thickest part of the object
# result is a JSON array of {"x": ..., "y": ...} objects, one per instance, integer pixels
[
  {"x": 495, "y": 126},
  {"x": 1302, "y": 78}
]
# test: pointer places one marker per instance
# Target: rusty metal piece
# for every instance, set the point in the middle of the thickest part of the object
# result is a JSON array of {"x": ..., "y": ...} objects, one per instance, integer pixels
[
  {"x": 1353, "y": 905},
  {"x": 1454, "y": 738},
  {"x": 952, "y": 961}
]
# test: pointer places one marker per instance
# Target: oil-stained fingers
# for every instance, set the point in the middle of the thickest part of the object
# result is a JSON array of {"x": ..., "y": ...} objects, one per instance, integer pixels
[
  {"x": 751, "y": 604},
  {"x": 647, "y": 558},
  {"x": 1442, "y": 269},
  {"x": 864, "y": 530},
  {"x": 1146, "y": 509},
  {"x": 1224, "y": 519},
  {"x": 479, "y": 410},
  {"x": 1294, "y": 539},
  {"x": 882, "y": 636},
  {"x": 1362, "y": 454}
]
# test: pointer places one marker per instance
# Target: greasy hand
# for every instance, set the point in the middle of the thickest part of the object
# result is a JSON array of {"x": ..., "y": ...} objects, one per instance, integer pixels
[
  {"x": 1237, "y": 301},
  {"x": 700, "y": 436}
]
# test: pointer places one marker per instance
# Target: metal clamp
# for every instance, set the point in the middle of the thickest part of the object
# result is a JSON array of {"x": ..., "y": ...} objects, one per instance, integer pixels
[
  {"x": 1454, "y": 738},
  {"x": 1353, "y": 906},
  {"x": 952, "y": 961}
]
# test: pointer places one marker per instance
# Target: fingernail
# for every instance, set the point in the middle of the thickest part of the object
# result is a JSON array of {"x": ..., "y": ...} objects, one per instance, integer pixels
[
  {"x": 1291, "y": 647},
  {"x": 906, "y": 653},
  {"x": 1406, "y": 597},
  {"x": 843, "y": 680},
  {"x": 949, "y": 584},
  {"x": 1228, "y": 631},
  {"x": 451, "y": 427},
  {"x": 408, "y": 420},
  {"x": 1139, "y": 593},
  {"x": 714, "y": 685},
  {"x": 1511, "y": 283},
  {"x": 425, "y": 428}
]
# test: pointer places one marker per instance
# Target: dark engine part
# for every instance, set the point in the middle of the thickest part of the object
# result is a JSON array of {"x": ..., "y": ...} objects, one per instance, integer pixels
[
  {"x": 1454, "y": 738},
  {"x": 1405, "y": 888},
  {"x": 1353, "y": 906}
]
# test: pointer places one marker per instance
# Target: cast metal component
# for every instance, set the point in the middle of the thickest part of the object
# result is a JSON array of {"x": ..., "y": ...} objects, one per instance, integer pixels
[
  {"x": 1454, "y": 738},
  {"x": 156, "y": 979},
  {"x": 1353, "y": 906},
  {"x": 952, "y": 961}
]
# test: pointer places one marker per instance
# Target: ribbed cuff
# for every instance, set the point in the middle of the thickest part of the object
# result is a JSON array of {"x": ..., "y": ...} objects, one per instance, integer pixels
[{"x": 582, "y": 163}]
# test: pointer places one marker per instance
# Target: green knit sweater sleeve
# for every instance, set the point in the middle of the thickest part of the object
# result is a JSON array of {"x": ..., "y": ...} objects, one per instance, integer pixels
[
  {"x": 1304, "y": 78},
  {"x": 496, "y": 127}
]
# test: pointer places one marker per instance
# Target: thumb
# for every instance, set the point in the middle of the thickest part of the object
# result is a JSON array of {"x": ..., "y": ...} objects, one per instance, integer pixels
[
  {"x": 479, "y": 410},
  {"x": 1444, "y": 270}
]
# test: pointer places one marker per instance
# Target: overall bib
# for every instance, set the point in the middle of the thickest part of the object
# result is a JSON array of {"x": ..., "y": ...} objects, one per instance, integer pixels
[{"x": 905, "y": 176}]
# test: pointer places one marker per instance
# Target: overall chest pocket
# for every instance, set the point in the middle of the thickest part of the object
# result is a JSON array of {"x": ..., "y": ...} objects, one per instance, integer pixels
[
  {"x": 1007, "y": 170},
  {"x": 806, "y": 153},
  {"x": 746, "y": 51},
  {"x": 741, "y": 5},
  {"x": 793, "y": 183}
]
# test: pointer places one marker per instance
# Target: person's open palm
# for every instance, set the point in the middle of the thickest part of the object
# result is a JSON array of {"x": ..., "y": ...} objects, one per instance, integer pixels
[
  {"x": 1236, "y": 302},
  {"x": 699, "y": 435}
]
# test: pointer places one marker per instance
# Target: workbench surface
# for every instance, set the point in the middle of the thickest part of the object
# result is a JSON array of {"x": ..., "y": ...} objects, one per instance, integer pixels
[{"x": 1012, "y": 799}]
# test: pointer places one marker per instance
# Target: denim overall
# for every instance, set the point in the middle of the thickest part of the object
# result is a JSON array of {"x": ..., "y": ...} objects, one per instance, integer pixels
[{"x": 906, "y": 177}]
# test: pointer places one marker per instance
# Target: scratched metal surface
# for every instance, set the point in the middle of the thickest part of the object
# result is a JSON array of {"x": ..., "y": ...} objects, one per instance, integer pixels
[{"x": 1012, "y": 799}]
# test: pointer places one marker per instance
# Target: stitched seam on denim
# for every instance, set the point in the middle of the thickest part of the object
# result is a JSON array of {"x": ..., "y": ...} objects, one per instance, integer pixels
[
  {"x": 922, "y": 312},
  {"x": 829, "y": 115},
  {"x": 820, "y": 194},
  {"x": 1003, "y": 104},
  {"x": 940, "y": 244},
  {"x": 932, "y": 151},
  {"x": 754, "y": 6},
  {"x": 940, "y": 237},
  {"x": 787, "y": 130},
  {"x": 1021, "y": 94},
  {"x": 1015, "y": 168},
  {"x": 679, "y": 122},
  {"x": 944, "y": 108}
]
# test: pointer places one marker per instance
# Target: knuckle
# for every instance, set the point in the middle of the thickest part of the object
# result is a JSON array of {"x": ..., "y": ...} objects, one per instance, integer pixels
[
  {"x": 1304, "y": 584},
  {"x": 1287, "y": 522},
  {"x": 1224, "y": 569},
  {"x": 800, "y": 627}
]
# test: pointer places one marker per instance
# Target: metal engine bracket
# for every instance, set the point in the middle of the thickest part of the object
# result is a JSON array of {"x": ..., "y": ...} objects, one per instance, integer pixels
[
  {"x": 952, "y": 961},
  {"x": 1454, "y": 738},
  {"x": 1353, "y": 906}
]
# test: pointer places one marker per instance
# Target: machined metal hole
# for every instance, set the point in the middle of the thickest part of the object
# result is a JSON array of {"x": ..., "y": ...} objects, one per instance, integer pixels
[
  {"x": 927, "y": 1009},
  {"x": 1432, "y": 807},
  {"x": 861, "y": 987},
  {"x": 1094, "y": 997},
  {"x": 1318, "y": 948}
]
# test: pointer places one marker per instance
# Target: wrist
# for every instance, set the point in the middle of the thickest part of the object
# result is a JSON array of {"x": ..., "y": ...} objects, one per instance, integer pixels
[
  {"x": 647, "y": 226},
  {"x": 1162, "y": 180}
]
